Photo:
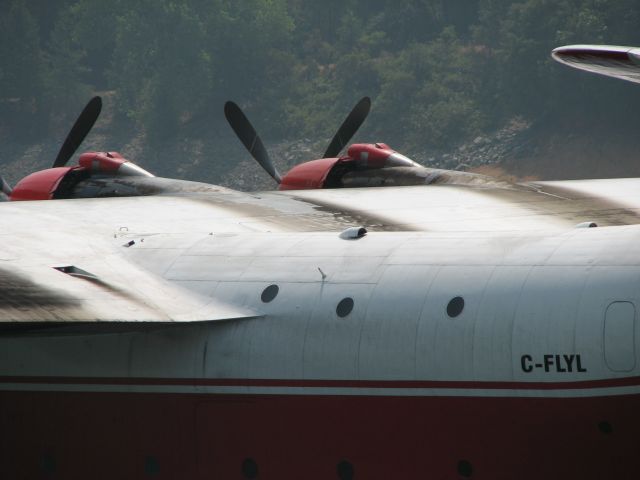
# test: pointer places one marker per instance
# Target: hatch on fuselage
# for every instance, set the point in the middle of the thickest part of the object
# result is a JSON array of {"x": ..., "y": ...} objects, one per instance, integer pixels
[{"x": 619, "y": 336}]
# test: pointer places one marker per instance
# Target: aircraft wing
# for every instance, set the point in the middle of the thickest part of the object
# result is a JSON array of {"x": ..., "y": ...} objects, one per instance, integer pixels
[
  {"x": 72, "y": 274},
  {"x": 115, "y": 264},
  {"x": 537, "y": 206},
  {"x": 609, "y": 60},
  {"x": 500, "y": 207}
]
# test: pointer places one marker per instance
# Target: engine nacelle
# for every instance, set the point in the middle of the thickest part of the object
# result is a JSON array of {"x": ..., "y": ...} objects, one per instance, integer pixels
[
  {"x": 110, "y": 163},
  {"x": 309, "y": 175},
  {"x": 59, "y": 182},
  {"x": 378, "y": 155},
  {"x": 39, "y": 185},
  {"x": 329, "y": 172},
  {"x": 105, "y": 162}
]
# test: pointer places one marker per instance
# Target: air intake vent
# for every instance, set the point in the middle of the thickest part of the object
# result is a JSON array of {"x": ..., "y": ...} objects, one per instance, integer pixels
[{"x": 76, "y": 272}]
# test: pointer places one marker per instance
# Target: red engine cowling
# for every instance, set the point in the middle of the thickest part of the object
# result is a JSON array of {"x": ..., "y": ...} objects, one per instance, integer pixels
[
  {"x": 328, "y": 172},
  {"x": 54, "y": 182},
  {"x": 40, "y": 185},
  {"x": 309, "y": 175}
]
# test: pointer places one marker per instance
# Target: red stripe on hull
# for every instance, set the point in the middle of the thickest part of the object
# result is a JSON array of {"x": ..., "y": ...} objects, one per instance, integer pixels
[
  {"x": 116, "y": 435},
  {"x": 250, "y": 382}
]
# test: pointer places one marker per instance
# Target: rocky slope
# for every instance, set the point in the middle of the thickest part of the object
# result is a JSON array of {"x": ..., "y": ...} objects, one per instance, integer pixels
[{"x": 516, "y": 152}]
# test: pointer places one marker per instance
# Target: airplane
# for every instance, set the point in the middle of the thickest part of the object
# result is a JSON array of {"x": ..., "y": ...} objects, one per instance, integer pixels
[
  {"x": 96, "y": 175},
  {"x": 483, "y": 331},
  {"x": 109, "y": 174},
  {"x": 364, "y": 165}
]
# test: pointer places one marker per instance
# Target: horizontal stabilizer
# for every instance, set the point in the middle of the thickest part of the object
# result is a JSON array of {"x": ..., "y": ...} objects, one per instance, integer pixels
[{"x": 609, "y": 60}]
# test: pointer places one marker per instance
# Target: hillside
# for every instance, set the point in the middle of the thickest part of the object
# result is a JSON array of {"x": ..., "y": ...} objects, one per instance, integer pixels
[
  {"x": 518, "y": 151},
  {"x": 455, "y": 83}
]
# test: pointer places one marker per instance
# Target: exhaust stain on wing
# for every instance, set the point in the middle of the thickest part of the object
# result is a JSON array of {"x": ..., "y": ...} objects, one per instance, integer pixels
[
  {"x": 576, "y": 205},
  {"x": 23, "y": 300},
  {"x": 18, "y": 291},
  {"x": 127, "y": 296},
  {"x": 352, "y": 217},
  {"x": 299, "y": 214},
  {"x": 564, "y": 205},
  {"x": 556, "y": 205}
]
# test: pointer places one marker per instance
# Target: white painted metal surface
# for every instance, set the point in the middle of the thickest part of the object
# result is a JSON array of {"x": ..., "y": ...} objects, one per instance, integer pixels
[
  {"x": 619, "y": 336},
  {"x": 532, "y": 286},
  {"x": 532, "y": 292}
]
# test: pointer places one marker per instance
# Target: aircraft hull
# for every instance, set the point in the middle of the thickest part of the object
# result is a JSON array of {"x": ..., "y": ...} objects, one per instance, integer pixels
[
  {"x": 373, "y": 430},
  {"x": 534, "y": 376}
]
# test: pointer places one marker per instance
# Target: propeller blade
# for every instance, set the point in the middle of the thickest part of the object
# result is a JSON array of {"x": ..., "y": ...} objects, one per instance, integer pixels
[
  {"x": 4, "y": 186},
  {"x": 80, "y": 129},
  {"x": 249, "y": 138},
  {"x": 348, "y": 128}
]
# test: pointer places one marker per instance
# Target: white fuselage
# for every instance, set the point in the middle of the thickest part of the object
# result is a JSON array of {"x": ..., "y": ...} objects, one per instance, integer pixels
[
  {"x": 525, "y": 296},
  {"x": 240, "y": 375}
]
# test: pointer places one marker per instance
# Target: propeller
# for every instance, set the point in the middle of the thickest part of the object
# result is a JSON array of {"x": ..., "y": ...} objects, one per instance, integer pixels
[
  {"x": 348, "y": 128},
  {"x": 252, "y": 142},
  {"x": 249, "y": 138},
  {"x": 78, "y": 132},
  {"x": 5, "y": 187}
]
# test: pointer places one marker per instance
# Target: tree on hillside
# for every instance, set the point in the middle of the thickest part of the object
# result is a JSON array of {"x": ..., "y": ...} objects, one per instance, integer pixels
[
  {"x": 439, "y": 71},
  {"x": 22, "y": 67}
]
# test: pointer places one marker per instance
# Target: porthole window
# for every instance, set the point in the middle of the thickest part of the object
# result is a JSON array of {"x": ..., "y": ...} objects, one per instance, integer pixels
[
  {"x": 344, "y": 307},
  {"x": 151, "y": 466},
  {"x": 345, "y": 470},
  {"x": 465, "y": 469},
  {"x": 48, "y": 464},
  {"x": 269, "y": 293},
  {"x": 605, "y": 427},
  {"x": 455, "y": 306},
  {"x": 249, "y": 468}
]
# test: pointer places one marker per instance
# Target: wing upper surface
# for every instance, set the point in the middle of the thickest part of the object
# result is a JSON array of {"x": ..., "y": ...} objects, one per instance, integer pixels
[
  {"x": 59, "y": 270},
  {"x": 532, "y": 206},
  {"x": 87, "y": 262}
]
